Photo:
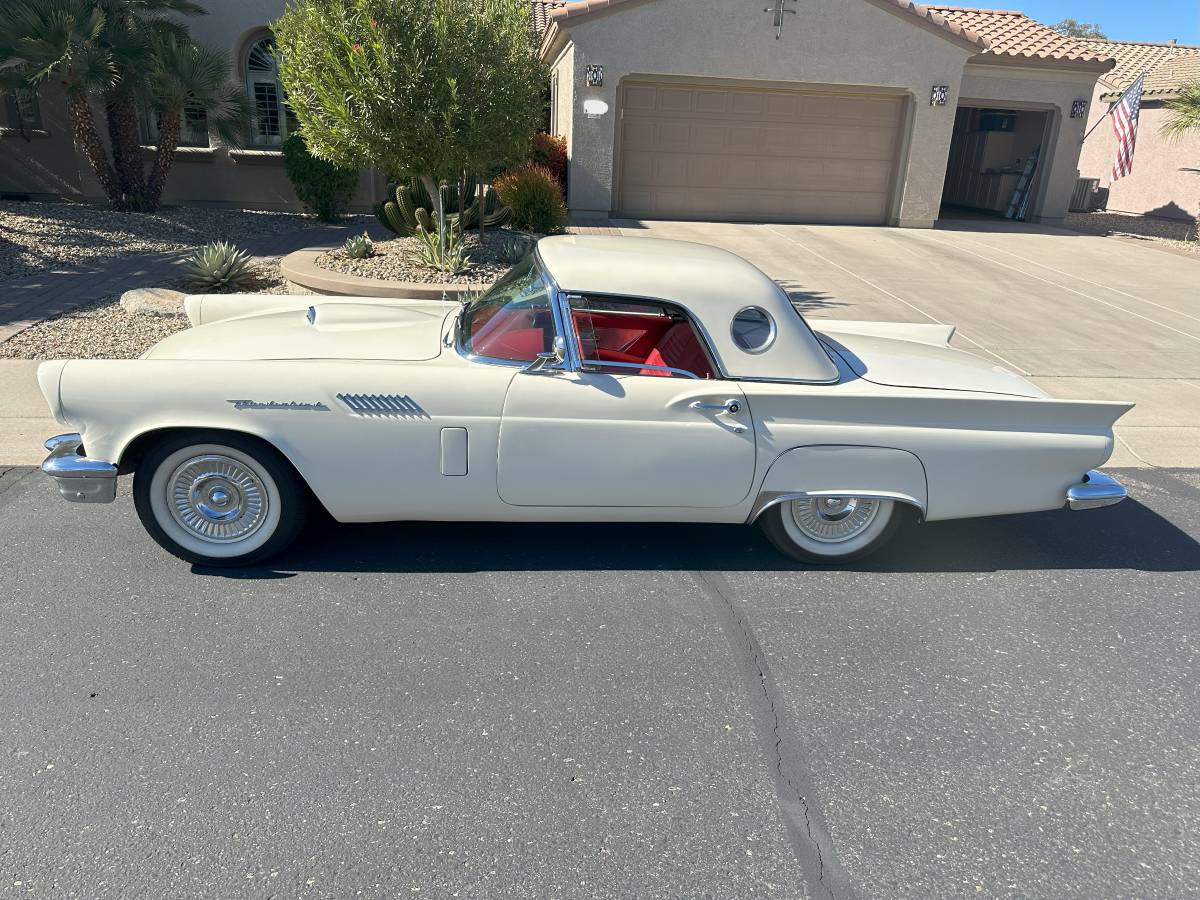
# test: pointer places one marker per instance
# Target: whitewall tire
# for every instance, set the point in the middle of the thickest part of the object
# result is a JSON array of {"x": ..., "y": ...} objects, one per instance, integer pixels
[
  {"x": 831, "y": 530},
  {"x": 218, "y": 499}
]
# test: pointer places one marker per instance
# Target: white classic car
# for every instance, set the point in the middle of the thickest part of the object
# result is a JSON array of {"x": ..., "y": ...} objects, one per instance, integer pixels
[{"x": 603, "y": 379}]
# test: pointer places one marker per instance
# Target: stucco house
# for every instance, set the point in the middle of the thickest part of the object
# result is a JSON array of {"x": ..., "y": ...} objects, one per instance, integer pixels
[
  {"x": 1166, "y": 172},
  {"x": 844, "y": 111},
  {"x": 856, "y": 111}
]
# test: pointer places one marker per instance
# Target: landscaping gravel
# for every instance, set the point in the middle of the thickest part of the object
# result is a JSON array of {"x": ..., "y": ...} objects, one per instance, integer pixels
[
  {"x": 37, "y": 236},
  {"x": 103, "y": 330},
  {"x": 1173, "y": 233},
  {"x": 390, "y": 263}
]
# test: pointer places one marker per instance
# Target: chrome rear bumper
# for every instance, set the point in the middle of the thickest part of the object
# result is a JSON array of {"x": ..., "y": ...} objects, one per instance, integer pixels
[
  {"x": 1096, "y": 489},
  {"x": 79, "y": 479}
]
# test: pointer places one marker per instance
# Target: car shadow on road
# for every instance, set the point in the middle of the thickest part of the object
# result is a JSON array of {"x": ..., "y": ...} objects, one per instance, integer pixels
[{"x": 1129, "y": 536}]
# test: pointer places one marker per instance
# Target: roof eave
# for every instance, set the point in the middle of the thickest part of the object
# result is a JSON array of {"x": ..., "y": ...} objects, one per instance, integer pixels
[{"x": 1098, "y": 66}]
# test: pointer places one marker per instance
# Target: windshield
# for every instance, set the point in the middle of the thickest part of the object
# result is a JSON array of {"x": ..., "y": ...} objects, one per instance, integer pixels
[{"x": 512, "y": 321}]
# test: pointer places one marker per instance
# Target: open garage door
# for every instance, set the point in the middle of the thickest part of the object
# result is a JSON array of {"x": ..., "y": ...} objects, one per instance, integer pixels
[{"x": 742, "y": 154}]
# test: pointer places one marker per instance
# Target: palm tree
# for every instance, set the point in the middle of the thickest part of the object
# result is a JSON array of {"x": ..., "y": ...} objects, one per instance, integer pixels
[
  {"x": 125, "y": 56},
  {"x": 1184, "y": 112},
  {"x": 187, "y": 76}
]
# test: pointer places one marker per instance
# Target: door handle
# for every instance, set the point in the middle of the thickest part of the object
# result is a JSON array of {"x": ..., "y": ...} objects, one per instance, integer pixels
[{"x": 729, "y": 406}]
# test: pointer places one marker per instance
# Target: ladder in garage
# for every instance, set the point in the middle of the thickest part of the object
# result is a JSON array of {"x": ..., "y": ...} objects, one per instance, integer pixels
[{"x": 1019, "y": 203}]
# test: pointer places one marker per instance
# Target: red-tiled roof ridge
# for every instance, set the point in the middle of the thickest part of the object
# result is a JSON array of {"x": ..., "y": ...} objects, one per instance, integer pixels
[{"x": 586, "y": 7}]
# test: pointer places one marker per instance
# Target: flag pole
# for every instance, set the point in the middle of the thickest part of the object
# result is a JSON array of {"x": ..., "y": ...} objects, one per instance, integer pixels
[{"x": 1113, "y": 106}]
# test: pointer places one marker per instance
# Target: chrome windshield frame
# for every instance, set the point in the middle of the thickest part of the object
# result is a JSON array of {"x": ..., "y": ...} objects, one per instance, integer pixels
[{"x": 552, "y": 293}]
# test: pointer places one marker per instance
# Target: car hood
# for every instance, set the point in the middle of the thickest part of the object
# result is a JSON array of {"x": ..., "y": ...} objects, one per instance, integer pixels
[
  {"x": 918, "y": 356},
  {"x": 335, "y": 330}
]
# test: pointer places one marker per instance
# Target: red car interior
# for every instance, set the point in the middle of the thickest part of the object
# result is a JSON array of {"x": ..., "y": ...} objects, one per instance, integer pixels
[
  {"x": 512, "y": 333},
  {"x": 656, "y": 340},
  {"x": 607, "y": 336}
]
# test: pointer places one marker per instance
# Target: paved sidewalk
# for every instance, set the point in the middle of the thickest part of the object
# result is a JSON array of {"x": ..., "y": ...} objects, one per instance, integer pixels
[{"x": 24, "y": 301}]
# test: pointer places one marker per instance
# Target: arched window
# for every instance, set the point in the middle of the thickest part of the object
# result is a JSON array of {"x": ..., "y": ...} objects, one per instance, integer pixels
[{"x": 272, "y": 117}]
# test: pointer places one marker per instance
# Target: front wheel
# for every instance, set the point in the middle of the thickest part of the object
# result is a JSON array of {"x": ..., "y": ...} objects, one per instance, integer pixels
[
  {"x": 219, "y": 499},
  {"x": 831, "y": 531}
]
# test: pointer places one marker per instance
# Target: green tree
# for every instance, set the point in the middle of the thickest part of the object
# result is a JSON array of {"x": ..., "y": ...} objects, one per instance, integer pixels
[
  {"x": 412, "y": 87},
  {"x": 1072, "y": 28},
  {"x": 1183, "y": 112},
  {"x": 125, "y": 57}
]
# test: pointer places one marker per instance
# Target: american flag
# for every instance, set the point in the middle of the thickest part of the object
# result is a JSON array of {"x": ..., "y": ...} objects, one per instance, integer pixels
[{"x": 1124, "y": 116}]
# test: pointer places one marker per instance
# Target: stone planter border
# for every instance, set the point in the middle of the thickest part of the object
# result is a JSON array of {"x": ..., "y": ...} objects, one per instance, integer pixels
[{"x": 304, "y": 276}]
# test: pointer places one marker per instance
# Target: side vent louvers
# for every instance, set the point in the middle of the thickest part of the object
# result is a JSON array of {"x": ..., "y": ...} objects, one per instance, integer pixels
[{"x": 395, "y": 406}]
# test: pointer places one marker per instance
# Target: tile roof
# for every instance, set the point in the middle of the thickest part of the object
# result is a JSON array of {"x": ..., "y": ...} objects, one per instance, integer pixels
[
  {"x": 993, "y": 31},
  {"x": 1168, "y": 67},
  {"x": 547, "y": 12},
  {"x": 540, "y": 10},
  {"x": 1014, "y": 34}
]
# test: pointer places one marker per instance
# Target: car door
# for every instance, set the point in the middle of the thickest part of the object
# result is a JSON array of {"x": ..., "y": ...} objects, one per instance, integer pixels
[{"x": 623, "y": 426}]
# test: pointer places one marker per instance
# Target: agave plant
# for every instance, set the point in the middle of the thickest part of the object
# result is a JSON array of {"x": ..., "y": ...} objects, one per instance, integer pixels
[
  {"x": 430, "y": 252},
  {"x": 216, "y": 267},
  {"x": 358, "y": 246}
]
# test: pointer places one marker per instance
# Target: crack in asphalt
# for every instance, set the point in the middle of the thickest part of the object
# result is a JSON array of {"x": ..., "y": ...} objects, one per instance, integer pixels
[
  {"x": 793, "y": 782},
  {"x": 11, "y": 476}
]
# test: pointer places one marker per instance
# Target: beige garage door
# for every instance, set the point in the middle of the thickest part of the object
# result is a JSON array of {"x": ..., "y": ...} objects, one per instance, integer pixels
[{"x": 712, "y": 152}]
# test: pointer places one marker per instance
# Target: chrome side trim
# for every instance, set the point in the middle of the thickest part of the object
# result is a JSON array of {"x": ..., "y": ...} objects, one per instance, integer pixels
[
  {"x": 79, "y": 479},
  {"x": 394, "y": 406},
  {"x": 1096, "y": 490},
  {"x": 600, "y": 363},
  {"x": 767, "y": 499}
]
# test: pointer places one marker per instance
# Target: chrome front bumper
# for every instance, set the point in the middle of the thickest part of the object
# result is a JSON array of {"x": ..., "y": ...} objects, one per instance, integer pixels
[
  {"x": 79, "y": 479},
  {"x": 1096, "y": 489}
]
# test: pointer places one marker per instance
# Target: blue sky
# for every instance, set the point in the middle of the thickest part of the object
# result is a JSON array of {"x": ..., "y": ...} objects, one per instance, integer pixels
[{"x": 1126, "y": 20}]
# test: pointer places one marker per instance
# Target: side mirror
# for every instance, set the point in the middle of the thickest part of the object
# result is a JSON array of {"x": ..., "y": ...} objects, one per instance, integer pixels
[{"x": 549, "y": 362}]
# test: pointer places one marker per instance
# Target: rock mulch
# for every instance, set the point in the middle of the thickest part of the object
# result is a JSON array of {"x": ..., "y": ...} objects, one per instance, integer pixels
[
  {"x": 1173, "y": 233},
  {"x": 104, "y": 329},
  {"x": 38, "y": 236},
  {"x": 390, "y": 262}
]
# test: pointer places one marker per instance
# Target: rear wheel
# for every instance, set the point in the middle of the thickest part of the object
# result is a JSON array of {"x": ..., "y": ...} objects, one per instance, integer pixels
[
  {"x": 831, "y": 530},
  {"x": 218, "y": 499}
]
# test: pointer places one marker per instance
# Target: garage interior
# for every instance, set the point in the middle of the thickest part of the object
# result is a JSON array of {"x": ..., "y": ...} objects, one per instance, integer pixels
[{"x": 990, "y": 151}]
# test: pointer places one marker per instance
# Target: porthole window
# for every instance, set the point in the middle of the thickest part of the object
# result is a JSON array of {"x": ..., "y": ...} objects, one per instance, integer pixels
[{"x": 753, "y": 329}]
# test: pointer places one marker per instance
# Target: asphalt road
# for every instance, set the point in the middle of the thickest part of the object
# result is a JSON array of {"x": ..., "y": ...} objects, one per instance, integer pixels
[{"x": 1003, "y": 707}]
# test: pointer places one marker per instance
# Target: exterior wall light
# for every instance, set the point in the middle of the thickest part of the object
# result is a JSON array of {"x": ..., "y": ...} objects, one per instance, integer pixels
[
  {"x": 939, "y": 95},
  {"x": 594, "y": 76},
  {"x": 594, "y": 109},
  {"x": 1079, "y": 109}
]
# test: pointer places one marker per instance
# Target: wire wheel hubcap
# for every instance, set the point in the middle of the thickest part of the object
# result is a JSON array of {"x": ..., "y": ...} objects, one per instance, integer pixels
[
  {"x": 832, "y": 520},
  {"x": 217, "y": 498}
]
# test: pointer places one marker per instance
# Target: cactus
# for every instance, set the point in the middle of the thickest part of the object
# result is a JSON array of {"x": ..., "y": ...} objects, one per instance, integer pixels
[
  {"x": 412, "y": 209},
  {"x": 218, "y": 266},
  {"x": 358, "y": 246}
]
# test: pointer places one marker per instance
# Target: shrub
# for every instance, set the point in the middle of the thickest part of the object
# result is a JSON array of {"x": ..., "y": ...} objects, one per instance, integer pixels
[
  {"x": 323, "y": 188},
  {"x": 431, "y": 252},
  {"x": 550, "y": 150},
  {"x": 534, "y": 197},
  {"x": 217, "y": 267},
  {"x": 358, "y": 246}
]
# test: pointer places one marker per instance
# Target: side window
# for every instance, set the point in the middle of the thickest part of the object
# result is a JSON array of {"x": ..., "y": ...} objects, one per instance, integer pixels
[
  {"x": 273, "y": 119},
  {"x": 638, "y": 337},
  {"x": 22, "y": 111}
]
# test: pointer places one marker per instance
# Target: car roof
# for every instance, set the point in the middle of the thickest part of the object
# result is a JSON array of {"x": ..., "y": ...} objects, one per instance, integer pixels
[{"x": 711, "y": 283}]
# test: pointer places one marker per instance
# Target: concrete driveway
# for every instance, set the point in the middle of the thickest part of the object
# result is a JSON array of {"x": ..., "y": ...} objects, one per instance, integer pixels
[{"x": 1085, "y": 317}]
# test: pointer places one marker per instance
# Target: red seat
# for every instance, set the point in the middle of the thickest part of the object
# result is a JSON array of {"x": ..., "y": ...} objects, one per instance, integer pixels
[{"x": 679, "y": 349}]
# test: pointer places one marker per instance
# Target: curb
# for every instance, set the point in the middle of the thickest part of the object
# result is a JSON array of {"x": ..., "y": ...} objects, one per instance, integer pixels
[{"x": 304, "y": 276}]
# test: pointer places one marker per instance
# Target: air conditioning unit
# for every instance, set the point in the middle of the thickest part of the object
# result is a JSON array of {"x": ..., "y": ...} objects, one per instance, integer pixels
[{"x": 1081, "y": 199}]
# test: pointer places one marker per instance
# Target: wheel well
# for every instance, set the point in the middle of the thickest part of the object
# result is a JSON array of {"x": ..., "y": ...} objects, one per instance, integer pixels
[{"x": 137, "y": 448}]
